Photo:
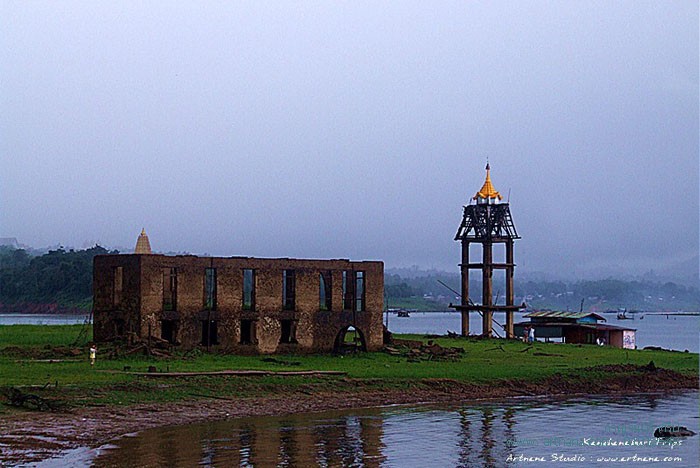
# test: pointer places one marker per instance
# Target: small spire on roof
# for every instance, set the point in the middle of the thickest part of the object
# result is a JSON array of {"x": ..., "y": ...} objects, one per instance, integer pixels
[
  {"x": 487, "y": 192},
  {"x": 143, "y": 245}
]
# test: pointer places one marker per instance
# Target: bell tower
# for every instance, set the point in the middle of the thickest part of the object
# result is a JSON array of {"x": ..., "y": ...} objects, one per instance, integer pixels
[{"x": 487, "y": 222}]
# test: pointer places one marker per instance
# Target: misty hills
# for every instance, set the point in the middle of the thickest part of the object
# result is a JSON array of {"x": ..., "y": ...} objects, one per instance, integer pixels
[
  {"x": 424, "y": 289},
  {"x": 63, "y": 278},
  {"x": 427, "y": 292},
  {"x": 57, "y": 280}
]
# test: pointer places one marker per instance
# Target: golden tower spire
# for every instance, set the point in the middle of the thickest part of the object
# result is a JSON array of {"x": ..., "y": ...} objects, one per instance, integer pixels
[
  {"x": 143, "y": 245},
  {"x": 487, "y": 192}
]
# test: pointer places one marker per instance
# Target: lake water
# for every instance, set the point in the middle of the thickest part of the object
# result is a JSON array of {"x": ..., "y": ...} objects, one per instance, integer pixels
[
  {"x": 41, "y": 319},
  {"x": 482, "y": 434},
  {"x": 679, "y": 332}
]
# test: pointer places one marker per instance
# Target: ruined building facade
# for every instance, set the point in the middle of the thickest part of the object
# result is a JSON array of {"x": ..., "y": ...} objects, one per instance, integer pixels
[{"x": 240, "y": 304}]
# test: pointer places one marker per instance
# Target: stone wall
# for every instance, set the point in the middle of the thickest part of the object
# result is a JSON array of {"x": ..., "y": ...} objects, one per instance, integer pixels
[
  {"x": 141, "y": 307},
  {"x": 118, "y": 316}
]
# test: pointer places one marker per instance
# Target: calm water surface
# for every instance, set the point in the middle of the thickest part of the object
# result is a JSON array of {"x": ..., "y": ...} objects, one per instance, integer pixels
[
  {"x": 474, "y": 435},
  {"x": 675, "y": 332},
  {"x": 41, "y": 319}
]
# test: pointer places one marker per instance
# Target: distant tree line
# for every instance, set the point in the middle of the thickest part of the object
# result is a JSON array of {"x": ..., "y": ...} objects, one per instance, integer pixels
[
  {"x": 602, "y": 294},
  {"x": 612, "y": 293},
  {"x": 65, "y": 278},
  {"x": 59, "y": 276}
]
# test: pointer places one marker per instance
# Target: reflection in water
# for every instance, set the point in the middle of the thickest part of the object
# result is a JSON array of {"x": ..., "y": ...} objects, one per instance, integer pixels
[
  {"x": 465, "y": 439},
  {"x": 474, "y": 435},
  {"x": 346, "y": 440},
  {"x": 487, "y": 441}
]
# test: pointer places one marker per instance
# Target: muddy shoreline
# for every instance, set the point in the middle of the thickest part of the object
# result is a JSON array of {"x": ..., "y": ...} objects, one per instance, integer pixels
[{"x": 27, "y": 437}]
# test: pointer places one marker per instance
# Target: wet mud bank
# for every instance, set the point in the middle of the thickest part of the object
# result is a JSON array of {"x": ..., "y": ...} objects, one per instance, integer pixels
[{"x": 27, "y": 437}]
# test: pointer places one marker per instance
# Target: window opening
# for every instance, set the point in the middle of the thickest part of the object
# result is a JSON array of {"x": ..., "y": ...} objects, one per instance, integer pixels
[
  {"x": 209, "y": 333},
  {"x": 359, "y": 291},
  {"x": 248, "y": 289},
  {"x": 169, "y": 288},
  {"x": 119, "y": 327},
  {"x": 325, "y": 290},
  {"x": 348, "y": 290},
  {"x": 118, "y": 285},
  {"x": 168, "y": 330},
  {"x": 210, "y": 288},
  {"x": 288, "y": 289},
  {"x": 247, "y": 331},
  {"x": 288, "y": 331}
]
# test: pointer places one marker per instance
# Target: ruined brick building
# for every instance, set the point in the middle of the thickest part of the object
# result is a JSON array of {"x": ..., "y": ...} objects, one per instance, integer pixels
[{"x": 239, "y": 304}]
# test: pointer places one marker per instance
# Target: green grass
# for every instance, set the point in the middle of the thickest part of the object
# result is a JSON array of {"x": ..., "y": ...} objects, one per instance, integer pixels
[
  {"x": 484, "y": 361},
  {"x": 42, "y": 335}
]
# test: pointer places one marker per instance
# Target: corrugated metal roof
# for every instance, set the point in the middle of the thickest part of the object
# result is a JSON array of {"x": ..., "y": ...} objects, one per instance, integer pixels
[
  {"x": 603, "y": 326},
  {"x": 596, "y": 326},
  {"x": 563, "y": 315}
]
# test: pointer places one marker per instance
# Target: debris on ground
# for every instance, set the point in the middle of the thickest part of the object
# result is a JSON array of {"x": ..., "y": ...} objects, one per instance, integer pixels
[
  {"x": 407, "y": 343},
  {"x": 416, "y": 351},
  {"x": 20, "y": 399},
  {"x": 134, "y": 344},
  {"x": 497, "y": 348},
  {"x": 281, "y": 361}
]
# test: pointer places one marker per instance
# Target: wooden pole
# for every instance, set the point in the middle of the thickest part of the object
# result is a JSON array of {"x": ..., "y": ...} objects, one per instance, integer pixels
[
  {"x": 510, "y": 294},
  {"x": 487, "y": 291},
  {"x": 465, "y": 286}
]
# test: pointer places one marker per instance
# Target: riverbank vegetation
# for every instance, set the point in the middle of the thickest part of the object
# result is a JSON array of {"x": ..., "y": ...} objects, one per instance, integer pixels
[
  {"x": 52, "y": 362},
  {"x": 57, "y": 281}
]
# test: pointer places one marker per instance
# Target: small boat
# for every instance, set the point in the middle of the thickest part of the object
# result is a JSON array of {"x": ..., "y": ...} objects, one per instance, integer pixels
[
  {"x": 622, "y": 315},
  {"x": 675, "y": 431},
  {"x": 400, "y": 312}
]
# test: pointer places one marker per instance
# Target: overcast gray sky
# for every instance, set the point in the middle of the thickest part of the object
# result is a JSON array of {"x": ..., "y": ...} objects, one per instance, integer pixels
[{"x": 354, "y": 129}]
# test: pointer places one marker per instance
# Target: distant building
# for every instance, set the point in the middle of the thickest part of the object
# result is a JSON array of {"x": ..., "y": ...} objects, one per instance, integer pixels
[
  {"x": 577, "y": 327},
  {"x": 239, "y": 304}
]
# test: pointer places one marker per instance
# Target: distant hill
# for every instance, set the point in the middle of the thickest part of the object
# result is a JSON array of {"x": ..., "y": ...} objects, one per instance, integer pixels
[
  {"x": 424, "y": 290},
  {"x": 60, "y": 280},
  {"x": 56, "y": 281}
]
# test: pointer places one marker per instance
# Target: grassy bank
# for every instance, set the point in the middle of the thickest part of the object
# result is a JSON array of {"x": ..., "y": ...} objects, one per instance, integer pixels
[{"x": 46, "y": 360}]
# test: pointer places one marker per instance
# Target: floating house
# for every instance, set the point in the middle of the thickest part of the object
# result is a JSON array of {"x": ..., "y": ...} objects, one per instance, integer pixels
[
  {"x": 577, "y": 327},
  {"x": 239, "y": 304}
]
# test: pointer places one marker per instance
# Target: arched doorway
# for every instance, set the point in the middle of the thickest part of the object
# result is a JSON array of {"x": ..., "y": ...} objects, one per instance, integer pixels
[{"x": 350, "y": 339}]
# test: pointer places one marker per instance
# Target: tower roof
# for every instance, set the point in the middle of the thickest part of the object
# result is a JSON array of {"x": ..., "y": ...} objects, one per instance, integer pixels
[
  {"x": 143, "y": 246},
  {"x": 487, "y": 190}
]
